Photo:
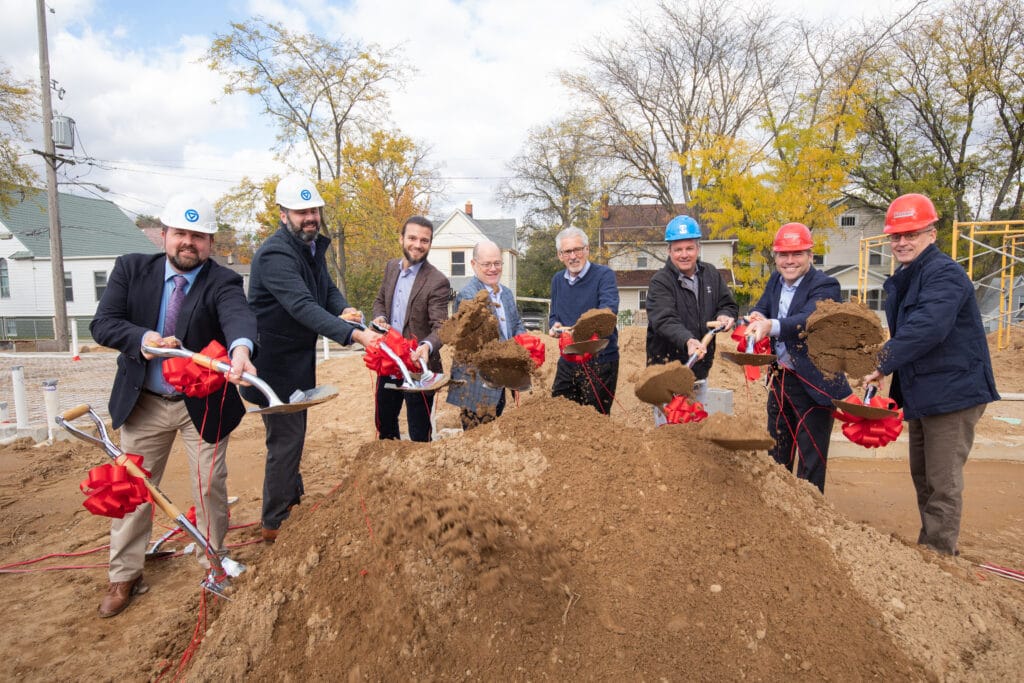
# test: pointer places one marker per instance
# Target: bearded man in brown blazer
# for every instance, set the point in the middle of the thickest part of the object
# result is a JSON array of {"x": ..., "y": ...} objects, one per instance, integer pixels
[{"x": 413, "y": 299}]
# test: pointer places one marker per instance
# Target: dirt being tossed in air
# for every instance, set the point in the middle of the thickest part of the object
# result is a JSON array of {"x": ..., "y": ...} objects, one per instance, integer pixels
[
  {"x": 599, "y": 321},
  {"x": 736, "y": 432},
  {"x": 844, "y": 337},
  {"x": 504, "y": 363},
  {"x": 472, "y": 326},
  {"x": 658, "y": 384}
]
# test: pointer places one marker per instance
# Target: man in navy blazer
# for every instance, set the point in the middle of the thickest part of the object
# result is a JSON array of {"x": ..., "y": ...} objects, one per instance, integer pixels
[
  {"x": 481, "y": 404},
  {"x": 800, "y": 397},
  {"x": 180, "y": 297}
]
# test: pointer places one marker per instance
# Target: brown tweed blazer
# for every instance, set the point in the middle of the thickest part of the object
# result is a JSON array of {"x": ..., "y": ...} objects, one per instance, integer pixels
[{"x": 428, "y": 305}]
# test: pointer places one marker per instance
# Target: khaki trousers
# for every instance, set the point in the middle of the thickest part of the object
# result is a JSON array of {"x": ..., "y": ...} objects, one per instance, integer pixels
[
  {"x": 149, "y": 431},
  {"x": 939, "y": 446}
]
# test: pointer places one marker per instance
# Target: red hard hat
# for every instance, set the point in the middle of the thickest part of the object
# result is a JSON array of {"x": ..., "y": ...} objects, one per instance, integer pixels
[
  {"x": 910, "y": 212},
  {"x": 793, "y": 237}
]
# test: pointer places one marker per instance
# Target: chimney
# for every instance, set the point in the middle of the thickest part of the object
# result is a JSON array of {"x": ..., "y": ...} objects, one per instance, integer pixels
[{"x": 469, "y": 208}]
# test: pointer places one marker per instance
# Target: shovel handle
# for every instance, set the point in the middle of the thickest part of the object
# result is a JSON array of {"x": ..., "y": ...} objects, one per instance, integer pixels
[
  {"x": 714, "y": 328},
  {"x": 76, "y": 412},
  {"x": 870, "y": 392},
  {"x": 162, "y": 501}
]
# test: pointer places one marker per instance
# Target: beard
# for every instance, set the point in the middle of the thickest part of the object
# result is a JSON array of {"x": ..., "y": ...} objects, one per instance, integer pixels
[
  {"x": 299, "y": 231},
  {"x": 185, "y": 260},
  {"x": 409, "y": 258}
]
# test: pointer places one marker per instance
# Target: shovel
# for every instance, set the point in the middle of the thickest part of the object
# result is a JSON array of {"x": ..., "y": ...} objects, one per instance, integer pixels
[
  {"x": 221, "y": 568},
  {"x": 742, "y": 358},
  {"x": 684, "y": 376},
  {"x": 865, "y": 411},
  {"x": 156, "y": 550},
  {"x": 428, "y": 380},
  {"x": 299, "y": 400}
]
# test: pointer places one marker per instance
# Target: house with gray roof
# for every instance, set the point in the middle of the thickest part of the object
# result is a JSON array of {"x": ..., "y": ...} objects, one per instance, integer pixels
[
  {"x": 454, "y": 239},
  {"x": 94, "y": 232}
]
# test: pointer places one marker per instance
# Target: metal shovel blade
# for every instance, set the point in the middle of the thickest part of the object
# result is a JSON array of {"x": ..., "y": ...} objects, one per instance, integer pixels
[
  {"x": 298, "y": 401},
  {"x": 740, "y": 358},
  {"x": 593, "y": 346},
  {"x": 744, "y": 443},
  {"x": 867, "y": 412}
]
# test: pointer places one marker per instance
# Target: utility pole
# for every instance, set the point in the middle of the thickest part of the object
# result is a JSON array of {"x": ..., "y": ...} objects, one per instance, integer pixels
[{"x": 60, "y": 307}]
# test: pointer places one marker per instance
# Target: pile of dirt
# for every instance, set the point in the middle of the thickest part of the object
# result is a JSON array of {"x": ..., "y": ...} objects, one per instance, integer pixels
[
  {"x": 599, "y": 321},
  {"x": 558, "y": 543},
  {"x": 658, "y": 384},
  {"x": 844, "y": 337}
]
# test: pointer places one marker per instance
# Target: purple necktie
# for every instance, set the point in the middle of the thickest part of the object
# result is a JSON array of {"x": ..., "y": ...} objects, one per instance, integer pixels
[{"x": 174, "y": 305}]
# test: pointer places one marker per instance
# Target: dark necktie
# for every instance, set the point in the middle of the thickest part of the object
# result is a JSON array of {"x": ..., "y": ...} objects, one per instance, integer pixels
[{"x": 174, "y": 305}]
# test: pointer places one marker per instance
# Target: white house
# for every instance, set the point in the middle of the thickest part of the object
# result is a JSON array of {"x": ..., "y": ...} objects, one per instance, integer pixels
[
  {"x": 454, "y": 239},
  {"x": 842, "y": 252},
  {"x": 94, "y": 232}
]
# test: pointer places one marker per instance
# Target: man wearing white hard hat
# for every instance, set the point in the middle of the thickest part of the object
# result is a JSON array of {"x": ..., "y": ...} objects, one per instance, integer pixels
[
  {"x": 295, "y": 301},
  {"x": 178, "y": 298}
]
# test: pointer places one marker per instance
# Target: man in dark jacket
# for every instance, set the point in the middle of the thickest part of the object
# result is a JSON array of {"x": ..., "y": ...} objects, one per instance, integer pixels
[
  {"x": 682, "y": 298},
  {"x": 179, "y": 297},
  {"x": 800, "y": 397},
  {"x": 941, "y": 371},
  {"x": 295, "y": 301},
  {"x": 413, "y": 298}
]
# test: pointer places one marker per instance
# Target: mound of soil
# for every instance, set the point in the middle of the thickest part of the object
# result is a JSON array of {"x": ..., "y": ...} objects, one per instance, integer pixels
[
  {"x": 471, "y": 327},
  {"x": 599, "y": 321},
  {"x": 844, "y": 337},
  {"x": 657, "y": 384}
]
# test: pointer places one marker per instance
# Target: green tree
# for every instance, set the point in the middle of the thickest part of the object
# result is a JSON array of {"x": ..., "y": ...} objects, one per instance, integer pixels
[
  {"x": 539, "y": 263},
  {"x": 17, "y": 109}
]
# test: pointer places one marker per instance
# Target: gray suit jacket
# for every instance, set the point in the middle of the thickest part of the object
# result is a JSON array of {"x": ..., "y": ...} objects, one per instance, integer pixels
[{"x": 428, "y": 305}]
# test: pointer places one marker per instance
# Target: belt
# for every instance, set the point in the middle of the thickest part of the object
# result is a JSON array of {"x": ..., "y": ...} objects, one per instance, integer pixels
[{"x": 172, "y": 398}]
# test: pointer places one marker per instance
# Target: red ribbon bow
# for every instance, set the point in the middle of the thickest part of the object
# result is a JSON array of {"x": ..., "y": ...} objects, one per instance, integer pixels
[
  {"x": 534, "y": 345},
  {"x": 871, "y": 433},
  {"x": 381, "y": 363},
  {"x": 682, "y": 409},
  {"x": 565, "y": 340},
  {"x": 112, "y": 491},
  {"x": 739, "y": 335},
  {"x": 195, "y": 380}
]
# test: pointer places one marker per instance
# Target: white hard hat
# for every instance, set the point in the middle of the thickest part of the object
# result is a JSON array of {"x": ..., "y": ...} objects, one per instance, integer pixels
[
  {"x": 297, "y": 192},
  {"x": 189, "y": 211}
]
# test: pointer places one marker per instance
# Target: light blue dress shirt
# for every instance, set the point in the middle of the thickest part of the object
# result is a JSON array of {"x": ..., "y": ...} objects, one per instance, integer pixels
[{"x": 785, "y": 299}]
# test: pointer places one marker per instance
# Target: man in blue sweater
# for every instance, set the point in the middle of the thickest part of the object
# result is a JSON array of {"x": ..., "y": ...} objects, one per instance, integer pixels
[
  {"x": 941, "y": 370},
  {"x": 583, "y": 286}
]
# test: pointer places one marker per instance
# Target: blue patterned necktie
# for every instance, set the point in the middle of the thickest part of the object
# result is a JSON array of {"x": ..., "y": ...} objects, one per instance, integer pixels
[{"x": 174, "y": 305}]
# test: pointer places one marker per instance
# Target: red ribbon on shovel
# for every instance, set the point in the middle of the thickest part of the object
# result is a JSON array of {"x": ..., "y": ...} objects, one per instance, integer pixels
[
  {"x": 565, "y": 339},
  {"x": 867, "y": 432},
  {"x": 112, "y": 491},
  {"x": 381, "y": 363},
  {"x": 195, "y": 380},
  {"x": 739, "y": 335},
  {"x": 682, "y": 409},
  {"x": 534, "y": 345}
]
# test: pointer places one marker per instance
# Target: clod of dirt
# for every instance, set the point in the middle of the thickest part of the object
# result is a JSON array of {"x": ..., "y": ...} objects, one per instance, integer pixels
[
  {"x": 471, "y": 327},
  {"x": 844, "y": 337},
  {"x": 504, "y": 363},
  {"x": 736, "y": 432},
  {"x": 599, "y": 321},
  {"x": 657, "y": 384}
]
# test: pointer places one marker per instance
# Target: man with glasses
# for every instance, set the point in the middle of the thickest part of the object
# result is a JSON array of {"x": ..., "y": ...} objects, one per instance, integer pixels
[
  {"x": 480, "y": 404},
  {"x": 938, "y": 357},
  {"x": 583, "y": 286}
]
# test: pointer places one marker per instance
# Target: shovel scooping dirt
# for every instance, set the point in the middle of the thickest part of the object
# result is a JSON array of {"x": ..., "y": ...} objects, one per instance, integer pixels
[
  {"x": 471, "y": 328},
  {"x": 844, "y": 337},
  {"x": 736, "y": 433},
  {"x": 658, "y": 384}
]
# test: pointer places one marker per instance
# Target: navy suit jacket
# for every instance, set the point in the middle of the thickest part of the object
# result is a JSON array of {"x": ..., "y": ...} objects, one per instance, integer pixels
[
  {"x": 215, "y": 308},
  {"x": 815, "y": 287}
]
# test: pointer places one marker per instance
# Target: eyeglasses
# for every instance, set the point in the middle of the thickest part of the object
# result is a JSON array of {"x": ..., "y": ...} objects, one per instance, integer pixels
[
  {"x": 490, "y": 264},
  {"x": 908, "y": 236},
  {"x": 578, "y": 251}
]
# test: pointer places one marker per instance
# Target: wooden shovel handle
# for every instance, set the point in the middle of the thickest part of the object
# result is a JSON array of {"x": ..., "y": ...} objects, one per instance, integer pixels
[
  {"x": 162, "y": 501},
  {"x": 75, "y": 413}
]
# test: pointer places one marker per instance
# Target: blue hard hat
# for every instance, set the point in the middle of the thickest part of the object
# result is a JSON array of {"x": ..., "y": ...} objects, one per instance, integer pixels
[{"x": 682, "y": 228}]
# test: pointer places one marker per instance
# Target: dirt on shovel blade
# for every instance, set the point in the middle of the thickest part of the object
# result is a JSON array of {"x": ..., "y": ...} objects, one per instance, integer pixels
[
  {"x": 471, "y": 327},
  {"x": 736, "y": 432},
  {"x": 844, "y": 337},
  {"x": 599, "y": 321},
  {"x": 504, "y": 363},
  {"x": 657, "y": 384}
]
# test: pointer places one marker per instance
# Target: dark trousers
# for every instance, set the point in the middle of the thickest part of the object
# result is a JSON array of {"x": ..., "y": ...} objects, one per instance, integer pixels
[
  {"x": 472, "y": 418},
  {"x": 282, "y": 482},
  {"x": 792, "y": 411},
  {"x": 939, "y": 446},
  {"x": 418, "y": 405},
  {"x": 589, "y": 384}
]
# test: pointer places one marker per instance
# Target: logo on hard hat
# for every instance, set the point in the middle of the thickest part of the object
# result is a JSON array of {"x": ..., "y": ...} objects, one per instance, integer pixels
[
  {"x": 905, "y": 214},
  {"x": 192, "y": 215},
  {"x": 306, "y": 195}
]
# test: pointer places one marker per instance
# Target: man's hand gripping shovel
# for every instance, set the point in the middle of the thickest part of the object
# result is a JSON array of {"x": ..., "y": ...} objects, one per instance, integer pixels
[
  {"x": 428, "y": 379},
  {"x": 221, "y": 568}
]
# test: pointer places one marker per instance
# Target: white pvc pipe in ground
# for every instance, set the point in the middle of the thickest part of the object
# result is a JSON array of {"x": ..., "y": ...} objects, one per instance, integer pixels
[
  {"x": 51, "y": 403},
  {"x": 5, "y": 415},
  {"x": 20, "y": 400},
  {"x": 327, "y": 348},
  {"x": 74, "y": 338}
]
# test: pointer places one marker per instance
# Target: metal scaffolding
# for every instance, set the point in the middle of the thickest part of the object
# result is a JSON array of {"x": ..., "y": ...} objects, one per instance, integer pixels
[{"x": 1010, "y": 252}]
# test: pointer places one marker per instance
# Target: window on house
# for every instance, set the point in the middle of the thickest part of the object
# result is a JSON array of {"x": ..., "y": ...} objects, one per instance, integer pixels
[
  {"x": 874, "y": 259},
  {"x": 876, "y": 299},
  {"x": 641, "y": 262},
  {"x": 458, "y": 263},
  {"x": 5, "y": 280},
  {"x": 69, "y": 291},
  {"x": 818, "y": 259},
  {"x": 11, "y": 327},
  {"x": 643, "y": 299},
  {"x": 848, "y": 221},
  {"x": 99, "y": 281}
]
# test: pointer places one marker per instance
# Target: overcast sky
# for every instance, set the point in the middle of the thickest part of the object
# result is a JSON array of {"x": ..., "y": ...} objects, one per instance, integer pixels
[{"x": 145, "y": 111}]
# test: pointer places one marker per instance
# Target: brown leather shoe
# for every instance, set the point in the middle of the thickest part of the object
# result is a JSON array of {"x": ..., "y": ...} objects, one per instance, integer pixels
[
  {"x": 119, "y": 596},
  {"x": 269, "y": 535}
]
